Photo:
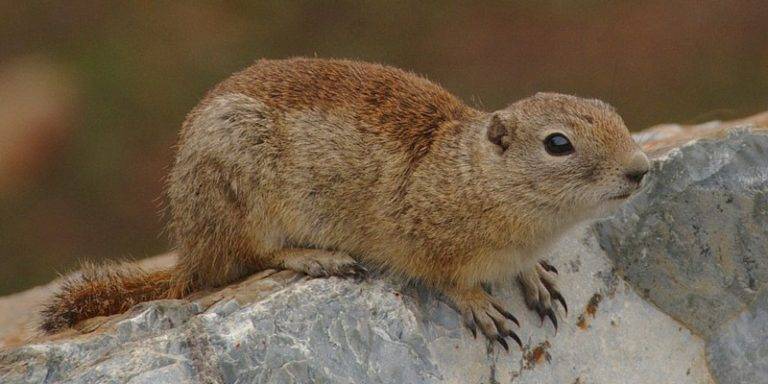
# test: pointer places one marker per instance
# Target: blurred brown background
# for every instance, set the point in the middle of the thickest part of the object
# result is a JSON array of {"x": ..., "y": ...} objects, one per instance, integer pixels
[{"x": 92, "y": 93}]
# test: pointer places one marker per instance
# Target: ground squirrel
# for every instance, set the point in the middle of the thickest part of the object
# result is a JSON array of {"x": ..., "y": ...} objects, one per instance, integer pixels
[{"x": 314, "y": 165}]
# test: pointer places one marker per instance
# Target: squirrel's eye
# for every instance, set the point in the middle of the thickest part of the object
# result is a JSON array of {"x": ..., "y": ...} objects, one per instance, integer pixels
[{"x": 558, "y": 145}]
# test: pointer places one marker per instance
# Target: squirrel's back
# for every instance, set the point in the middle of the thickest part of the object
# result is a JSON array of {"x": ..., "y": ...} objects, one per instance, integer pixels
[{"x": 404, "y": 106}]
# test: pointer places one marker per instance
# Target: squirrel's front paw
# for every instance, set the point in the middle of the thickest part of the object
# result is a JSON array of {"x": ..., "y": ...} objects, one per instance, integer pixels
[
  {"x": 479, "y": 309},
  {"x": 540, "y": 290}
]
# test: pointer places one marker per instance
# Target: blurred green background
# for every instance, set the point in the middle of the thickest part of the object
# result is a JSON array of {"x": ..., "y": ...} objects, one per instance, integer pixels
[{"x": 92, "y": 93}]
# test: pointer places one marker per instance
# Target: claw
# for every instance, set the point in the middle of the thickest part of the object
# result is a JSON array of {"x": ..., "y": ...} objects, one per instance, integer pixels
[
  {"x": 475, "y": 322},
  {"x": 357, "y": 272},
  {"x": 541, "y": 311},
  {"x": 515, "y": 338},
  {"x": 503, "y": 342},
  {"x": 551, "y": 314},
  {"x": 557, "y": 296},
  {"x": 548, "y": 267},
  {"x": 470, "y": 323},
  {"x": 507, "y": 333},
  {"x": 506, "y": 314}
]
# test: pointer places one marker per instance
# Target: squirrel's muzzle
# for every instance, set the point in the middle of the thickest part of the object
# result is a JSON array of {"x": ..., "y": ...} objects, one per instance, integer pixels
[{"x": 637, "y": 167}]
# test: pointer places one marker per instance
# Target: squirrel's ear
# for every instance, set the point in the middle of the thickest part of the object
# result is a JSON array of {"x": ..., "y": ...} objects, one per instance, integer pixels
[{"x": 498, "y": 132}]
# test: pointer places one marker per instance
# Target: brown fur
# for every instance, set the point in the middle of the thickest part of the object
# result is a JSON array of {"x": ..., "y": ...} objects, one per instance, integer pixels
[
  {"x": 407, "y": 108},
  {"x": 101, "y": 290},
  {"x": 312, "y": 164}
]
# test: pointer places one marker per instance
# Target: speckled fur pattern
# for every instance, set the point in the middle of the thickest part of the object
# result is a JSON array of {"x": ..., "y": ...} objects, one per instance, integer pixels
[{"x": 385, "y": 167}]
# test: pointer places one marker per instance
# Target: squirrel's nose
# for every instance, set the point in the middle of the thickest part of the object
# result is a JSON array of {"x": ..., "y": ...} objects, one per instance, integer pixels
[{"x": 638, "y": 167}]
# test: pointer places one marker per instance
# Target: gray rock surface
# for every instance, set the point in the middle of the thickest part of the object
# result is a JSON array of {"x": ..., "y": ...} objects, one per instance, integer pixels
[
  {"x": 739, "y": 352},
  {"x": 289, "y": 329},
  {"x": 695, "y": 243},
  {"x": 619, "y": 276}
]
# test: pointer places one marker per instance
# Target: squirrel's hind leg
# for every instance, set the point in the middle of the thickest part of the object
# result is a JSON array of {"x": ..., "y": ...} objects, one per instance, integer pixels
[{"x": 317, "y": 262}]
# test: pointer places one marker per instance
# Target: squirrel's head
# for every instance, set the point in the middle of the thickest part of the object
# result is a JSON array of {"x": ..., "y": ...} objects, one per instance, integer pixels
[{"x": 566, "y": 153}]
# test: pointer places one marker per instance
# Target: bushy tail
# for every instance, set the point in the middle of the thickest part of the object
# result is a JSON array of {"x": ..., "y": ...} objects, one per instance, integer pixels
[{"x": 102, "y": 290}]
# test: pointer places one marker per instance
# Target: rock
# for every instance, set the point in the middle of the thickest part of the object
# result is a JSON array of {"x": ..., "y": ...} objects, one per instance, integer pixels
[
  {"x": 290, "y": 329},
  {"x": 631, "y": 320},
  {"x": 695, "y": 241},
  {"x": 739, "y": 352},
  {"x": 18, "y": 312},
  {"x": 662, "y": 138},
  {"x": 695, "y": 244}
]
